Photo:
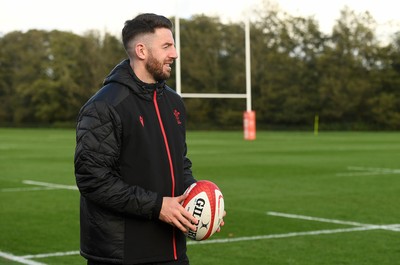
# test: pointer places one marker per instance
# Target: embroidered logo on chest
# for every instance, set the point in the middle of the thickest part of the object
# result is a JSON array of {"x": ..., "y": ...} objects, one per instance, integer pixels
[
  {"x": 141, "y": 120},
  {"x": 177, "y": 116}
]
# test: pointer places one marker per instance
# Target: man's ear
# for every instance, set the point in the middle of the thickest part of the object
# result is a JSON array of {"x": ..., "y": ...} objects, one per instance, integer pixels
[{"x": 140, "y": 50}]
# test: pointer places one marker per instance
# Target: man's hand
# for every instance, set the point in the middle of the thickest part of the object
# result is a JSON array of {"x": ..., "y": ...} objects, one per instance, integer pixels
[
  {"x": 173, "y": 213},
  {"x": 222, "y": 223}
]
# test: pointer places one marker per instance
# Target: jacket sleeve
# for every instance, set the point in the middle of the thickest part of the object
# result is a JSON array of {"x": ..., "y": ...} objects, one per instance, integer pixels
[{"x": 98, "y": 145}]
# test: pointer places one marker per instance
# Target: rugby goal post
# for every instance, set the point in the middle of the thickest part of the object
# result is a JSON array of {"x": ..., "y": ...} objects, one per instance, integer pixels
[{"x": 249, "y": 115}]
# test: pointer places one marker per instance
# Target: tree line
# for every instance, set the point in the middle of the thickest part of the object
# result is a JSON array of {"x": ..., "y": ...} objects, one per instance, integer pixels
[{"x": 349, "y": 78}]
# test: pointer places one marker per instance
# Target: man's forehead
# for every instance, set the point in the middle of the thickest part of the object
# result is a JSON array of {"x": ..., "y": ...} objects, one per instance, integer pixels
[
  {"x": 163, "y": 36},
  {"x": 163, "y": 32}
]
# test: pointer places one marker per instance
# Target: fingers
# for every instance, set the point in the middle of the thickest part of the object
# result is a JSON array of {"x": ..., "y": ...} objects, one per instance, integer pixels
[
  {"x": 192, "y": 220},
  {"x": 173, "y": 213},
  {"x": 189, "y": 220},
  {"x": 222, "y": 223},
  {"x": 185, "y": 222}
]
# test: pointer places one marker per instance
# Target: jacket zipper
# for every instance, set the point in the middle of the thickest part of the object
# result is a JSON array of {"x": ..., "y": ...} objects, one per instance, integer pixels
[{"x": 169, "y": 160}]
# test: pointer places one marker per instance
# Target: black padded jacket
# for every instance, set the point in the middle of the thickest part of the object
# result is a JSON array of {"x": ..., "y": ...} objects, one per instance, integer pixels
[{"x": 130, "y": 153}]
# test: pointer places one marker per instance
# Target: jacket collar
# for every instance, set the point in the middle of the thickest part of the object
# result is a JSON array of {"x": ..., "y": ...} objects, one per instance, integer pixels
[{"x": 123, "y": 74}]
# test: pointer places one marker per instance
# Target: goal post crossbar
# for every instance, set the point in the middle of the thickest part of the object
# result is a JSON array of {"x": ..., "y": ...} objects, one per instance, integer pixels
[
  {"x": 246, "y": 95},
  {"x": 212, "y": 95},
  {"x": 249, "y": 120}
]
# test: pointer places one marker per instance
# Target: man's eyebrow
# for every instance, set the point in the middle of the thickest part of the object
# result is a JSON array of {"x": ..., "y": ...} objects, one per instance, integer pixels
[{"x": 168, "y": 43}]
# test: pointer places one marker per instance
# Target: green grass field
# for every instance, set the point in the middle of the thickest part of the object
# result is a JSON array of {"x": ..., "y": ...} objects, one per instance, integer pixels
[{"x": 291, "y": 197}]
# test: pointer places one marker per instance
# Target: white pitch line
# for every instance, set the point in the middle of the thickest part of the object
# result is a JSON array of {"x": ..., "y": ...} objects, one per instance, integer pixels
[
  {"x": 310, "y": 218},
  {"x": 22, "y": 260},
  {"x": 26, "y": 189},
  {"x": 359, "y": 227},
  {"x": 364, "y": 171},
  {"x": 294, "y": 234},
  {"x": 55, "y": 254},
  {"x": 42, "y": 186},
  {"x": 232, "y": 240},
  {"x": 50, "y": 185},
  {"x": 368, "y": 173},
  {"x": 376, "y": 169},
  {"x": 393, "y": 227}
]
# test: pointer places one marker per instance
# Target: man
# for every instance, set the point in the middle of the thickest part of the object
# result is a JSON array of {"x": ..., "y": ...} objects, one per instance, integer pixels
[{"x": 130, "y": 160}]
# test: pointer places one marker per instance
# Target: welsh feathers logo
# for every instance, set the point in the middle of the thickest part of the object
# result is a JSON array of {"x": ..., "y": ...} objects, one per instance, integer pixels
[
  {"x": 141, "y": 120},
  {"x": 177, "y": 116}
]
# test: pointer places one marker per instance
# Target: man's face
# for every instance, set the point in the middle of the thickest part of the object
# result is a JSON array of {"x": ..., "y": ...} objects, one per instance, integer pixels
[{"x": 162, "y": 54}]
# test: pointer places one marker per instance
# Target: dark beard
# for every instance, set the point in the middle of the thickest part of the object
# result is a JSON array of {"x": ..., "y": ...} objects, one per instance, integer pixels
[{"x": 155, "y": 68}]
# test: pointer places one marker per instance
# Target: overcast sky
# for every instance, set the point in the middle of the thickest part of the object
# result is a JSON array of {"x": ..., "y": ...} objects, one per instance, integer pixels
[{"x": 79, "y": 16}]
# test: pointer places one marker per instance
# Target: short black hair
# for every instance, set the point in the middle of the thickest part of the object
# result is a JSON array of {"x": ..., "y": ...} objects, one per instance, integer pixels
[{"x": 143, "y": 23}]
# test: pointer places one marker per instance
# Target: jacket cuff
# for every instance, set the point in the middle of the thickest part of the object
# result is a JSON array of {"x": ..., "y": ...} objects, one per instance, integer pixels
[{"x": 157, "y": 207}]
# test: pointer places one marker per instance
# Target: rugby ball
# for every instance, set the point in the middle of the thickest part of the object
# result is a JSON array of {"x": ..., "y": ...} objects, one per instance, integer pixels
[{"x": 206, "y": 203}]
